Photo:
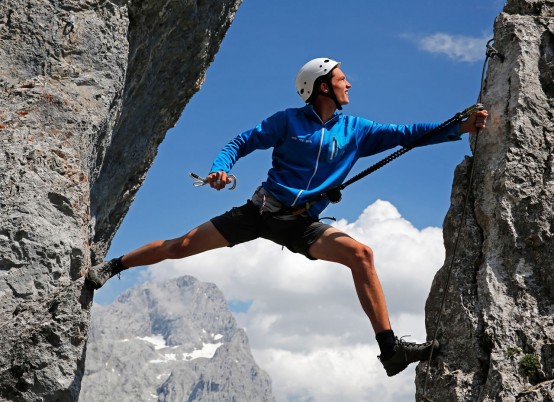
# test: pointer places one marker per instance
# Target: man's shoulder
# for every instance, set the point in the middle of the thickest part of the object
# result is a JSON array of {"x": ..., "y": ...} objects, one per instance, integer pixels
[
  {"x": 355, "y": 121},
  {"x": 307, "y": 112}
]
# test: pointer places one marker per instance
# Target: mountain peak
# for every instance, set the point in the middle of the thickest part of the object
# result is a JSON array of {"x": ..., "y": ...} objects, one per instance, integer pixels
[{"x": 174, "y": 340}]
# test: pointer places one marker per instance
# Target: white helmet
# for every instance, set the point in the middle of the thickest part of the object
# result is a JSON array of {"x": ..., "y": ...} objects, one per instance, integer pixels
[{"x": 311, "y": 71}]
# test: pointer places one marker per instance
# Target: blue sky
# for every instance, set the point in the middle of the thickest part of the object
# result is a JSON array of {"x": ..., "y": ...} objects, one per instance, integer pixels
[{"x": 407, "y": 62}]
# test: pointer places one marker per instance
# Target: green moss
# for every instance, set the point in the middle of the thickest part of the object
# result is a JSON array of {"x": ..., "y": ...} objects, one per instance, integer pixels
[{"x": 530, "y": 365}]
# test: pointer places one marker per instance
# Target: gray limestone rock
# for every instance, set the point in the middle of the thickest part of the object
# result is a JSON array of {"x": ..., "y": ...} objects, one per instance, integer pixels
[
  {"x": 497, "y": 328},
  {"x": 172, "y": 341},
  {"x": 88, "y": 89}
]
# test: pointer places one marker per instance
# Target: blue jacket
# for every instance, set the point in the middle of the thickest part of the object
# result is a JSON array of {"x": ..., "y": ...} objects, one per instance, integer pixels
[{"x": 310, "y": 157}]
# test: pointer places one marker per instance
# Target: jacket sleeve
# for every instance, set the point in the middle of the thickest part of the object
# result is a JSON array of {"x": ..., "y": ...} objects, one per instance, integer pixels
[
  {"x": 265, "y": 135},
  {"x": 374, "y": 137}
]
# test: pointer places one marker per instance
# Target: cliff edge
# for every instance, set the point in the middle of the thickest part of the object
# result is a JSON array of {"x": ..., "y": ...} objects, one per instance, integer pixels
[
  {"x": 88, "y": 89},
  {"x": 497, "y": 329}
]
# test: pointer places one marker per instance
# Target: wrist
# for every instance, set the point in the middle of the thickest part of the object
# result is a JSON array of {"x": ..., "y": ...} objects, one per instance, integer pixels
[{"x": 463, "y": 127}]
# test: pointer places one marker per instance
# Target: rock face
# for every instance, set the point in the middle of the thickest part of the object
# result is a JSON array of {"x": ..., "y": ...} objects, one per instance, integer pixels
[
  {"x": 497, "y": 330},
  {"x": 88, "y": 89},
  {"x": 173, "y": 341}
]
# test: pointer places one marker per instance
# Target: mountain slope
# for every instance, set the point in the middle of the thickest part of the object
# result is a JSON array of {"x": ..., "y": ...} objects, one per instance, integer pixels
[{"x": 171, "y": 341}]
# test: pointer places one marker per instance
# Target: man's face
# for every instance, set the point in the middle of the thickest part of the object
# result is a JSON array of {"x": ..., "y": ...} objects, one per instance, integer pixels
[{"x": 340, "y": 86}]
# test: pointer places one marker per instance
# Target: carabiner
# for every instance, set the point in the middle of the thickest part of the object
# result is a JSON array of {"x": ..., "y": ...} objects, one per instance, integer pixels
[{"x": 201, "y": 181}]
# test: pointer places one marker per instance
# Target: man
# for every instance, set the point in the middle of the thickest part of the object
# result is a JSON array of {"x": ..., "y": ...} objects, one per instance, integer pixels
[{"x": 314, "y": 148}]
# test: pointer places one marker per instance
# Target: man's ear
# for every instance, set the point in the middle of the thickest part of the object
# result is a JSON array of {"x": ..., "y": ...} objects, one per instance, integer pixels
[{"x": 324, "y": 87}]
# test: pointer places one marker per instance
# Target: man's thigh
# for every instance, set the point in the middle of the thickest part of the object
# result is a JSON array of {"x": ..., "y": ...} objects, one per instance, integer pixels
[{"x": 334, "y": 245}]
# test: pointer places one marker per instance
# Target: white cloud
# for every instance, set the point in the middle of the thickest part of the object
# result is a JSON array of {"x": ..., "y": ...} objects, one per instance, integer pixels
[
  {"x": 305, "y": 325},
  {"x": 330, "y": 374},
  {"x": 456, "y": 47}
]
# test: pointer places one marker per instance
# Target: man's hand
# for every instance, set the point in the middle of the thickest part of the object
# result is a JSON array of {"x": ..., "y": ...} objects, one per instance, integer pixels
[
  {"x": 476, "y": 121},
  {"x": 218, "y": 180}
]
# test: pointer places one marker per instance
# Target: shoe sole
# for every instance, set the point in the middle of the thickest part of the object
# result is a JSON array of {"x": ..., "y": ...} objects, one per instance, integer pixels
[
  {"x": 392, "y": 373},
  {"x": 398, "y": 369}
]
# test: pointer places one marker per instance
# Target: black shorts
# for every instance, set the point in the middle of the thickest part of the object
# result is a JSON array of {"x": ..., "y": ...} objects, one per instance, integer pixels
[{"x": 245, "y": 223}]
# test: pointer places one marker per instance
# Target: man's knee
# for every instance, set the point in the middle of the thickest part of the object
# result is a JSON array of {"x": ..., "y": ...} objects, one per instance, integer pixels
[
  {"x": 359, "y": 256},
  {"x": 363, "y": 254},
  {"x": 362, "y": 262}
]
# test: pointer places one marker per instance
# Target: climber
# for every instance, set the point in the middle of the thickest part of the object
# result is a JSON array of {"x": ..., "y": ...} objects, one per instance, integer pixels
[{"x": 314, "y": 148}]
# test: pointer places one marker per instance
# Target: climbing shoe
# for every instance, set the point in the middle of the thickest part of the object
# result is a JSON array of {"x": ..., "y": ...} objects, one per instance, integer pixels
[
  {"x": 406, "y": 353},
  {"x": 99, "y": 274}
]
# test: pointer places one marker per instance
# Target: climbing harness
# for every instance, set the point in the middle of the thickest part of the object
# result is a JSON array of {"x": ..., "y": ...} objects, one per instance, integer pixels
[
  {"x": 201, "y": 181},
  {"x": 491, "y": 53}
]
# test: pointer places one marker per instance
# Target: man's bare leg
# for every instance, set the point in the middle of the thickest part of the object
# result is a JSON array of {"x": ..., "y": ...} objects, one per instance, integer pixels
[
  {"x": 396, "y": 354},
  {"x": 203, "y": 238},
  {"x": 336, "y": 246}
]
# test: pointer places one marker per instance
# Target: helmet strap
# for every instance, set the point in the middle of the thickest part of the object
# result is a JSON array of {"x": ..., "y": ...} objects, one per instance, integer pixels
[{"x": 331, "y": 94}]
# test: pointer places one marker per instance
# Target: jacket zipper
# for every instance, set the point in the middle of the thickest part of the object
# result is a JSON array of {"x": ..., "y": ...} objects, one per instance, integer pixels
[{"x": 317, "y": 160}]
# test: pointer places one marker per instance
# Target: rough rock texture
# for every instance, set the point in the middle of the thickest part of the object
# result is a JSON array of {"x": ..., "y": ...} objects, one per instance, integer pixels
[
  {"x": 497, "y": 330},
  {"x": 172, "y": 341},
  {"x": 82, "y": 111}
]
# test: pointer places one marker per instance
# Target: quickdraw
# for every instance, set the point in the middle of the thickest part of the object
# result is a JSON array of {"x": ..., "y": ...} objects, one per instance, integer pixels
[{"x": 202, "y": 181}]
